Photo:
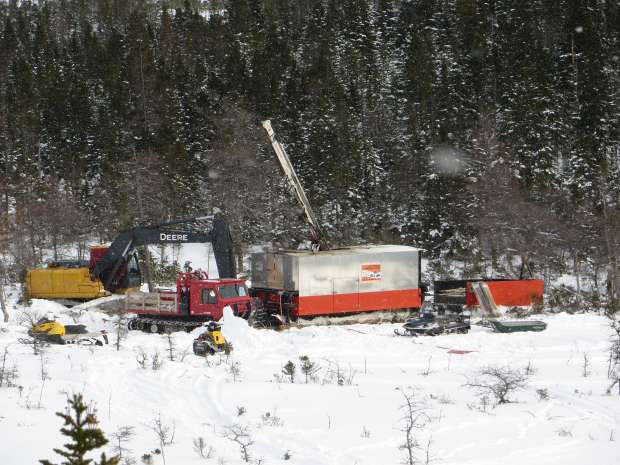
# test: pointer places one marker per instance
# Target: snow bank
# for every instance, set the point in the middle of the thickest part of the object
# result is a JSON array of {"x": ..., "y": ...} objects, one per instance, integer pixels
[{"x": 238, "y": 331}]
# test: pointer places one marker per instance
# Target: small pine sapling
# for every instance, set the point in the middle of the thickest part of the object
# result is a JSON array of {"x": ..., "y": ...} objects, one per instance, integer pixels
[
  {"x": 121, "y": 438},
  {"x": 289, "y": 370},
  {"x": 308, "y": 368},
  {"x": 120, "y": 325},
  {"x": 156, "y": 361},
  {"x": 82, "y": 427}
]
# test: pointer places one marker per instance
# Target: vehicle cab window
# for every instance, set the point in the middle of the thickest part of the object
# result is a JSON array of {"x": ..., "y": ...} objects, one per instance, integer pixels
[
  {"x": 208, "y": 296},
  {"x": 231, "y": 291}
]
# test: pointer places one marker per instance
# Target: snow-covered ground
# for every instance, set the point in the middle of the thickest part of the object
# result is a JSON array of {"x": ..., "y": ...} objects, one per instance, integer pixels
[{"x": 356, "y": 421}]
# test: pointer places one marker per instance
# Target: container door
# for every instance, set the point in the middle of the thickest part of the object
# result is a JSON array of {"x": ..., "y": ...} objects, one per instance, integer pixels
[
  {"x": 345, "y": 292},
  {"x": 274, "y": 271}
]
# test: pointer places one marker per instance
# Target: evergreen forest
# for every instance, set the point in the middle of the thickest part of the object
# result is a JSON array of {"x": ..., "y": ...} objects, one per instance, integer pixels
[{"x": 484, "y": 131}]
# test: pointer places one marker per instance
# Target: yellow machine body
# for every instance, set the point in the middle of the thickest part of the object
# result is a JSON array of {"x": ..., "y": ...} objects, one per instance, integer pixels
[
  {"x": 218, "y": 338},
  {"x": 51, "y": 328},
  {"x": 63, "y": 283}
]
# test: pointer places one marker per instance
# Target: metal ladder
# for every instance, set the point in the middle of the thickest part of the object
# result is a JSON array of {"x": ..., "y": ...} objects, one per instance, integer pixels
[{"x": 485, "y": 298}]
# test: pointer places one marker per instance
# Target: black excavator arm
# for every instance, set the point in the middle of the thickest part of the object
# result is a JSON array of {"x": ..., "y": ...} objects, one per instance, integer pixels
[{"x": 110, "y": 268}]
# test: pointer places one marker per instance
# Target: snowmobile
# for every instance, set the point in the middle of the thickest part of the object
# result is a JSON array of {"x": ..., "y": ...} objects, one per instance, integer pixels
[
  {"x": 429, "y": 324},
  {"x": 52, "y": 332},
  {"x": 211, "y": 341}
]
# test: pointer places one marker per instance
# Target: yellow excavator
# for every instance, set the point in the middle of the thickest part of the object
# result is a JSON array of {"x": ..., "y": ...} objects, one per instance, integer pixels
[
  {"x": 115, "y": 269},
  {"x": 64, "y": 279}
]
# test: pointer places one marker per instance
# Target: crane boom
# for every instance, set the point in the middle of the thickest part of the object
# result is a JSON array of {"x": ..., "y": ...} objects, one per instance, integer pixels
[{"x": 318, "y": 236}]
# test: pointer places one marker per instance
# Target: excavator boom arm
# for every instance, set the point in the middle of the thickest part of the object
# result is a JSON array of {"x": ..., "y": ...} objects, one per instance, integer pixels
[{"x": 188, "y": 230}]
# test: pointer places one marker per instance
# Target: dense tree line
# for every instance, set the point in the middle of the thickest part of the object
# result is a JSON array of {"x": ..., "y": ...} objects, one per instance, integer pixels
[{"x": 474, "y": 128}]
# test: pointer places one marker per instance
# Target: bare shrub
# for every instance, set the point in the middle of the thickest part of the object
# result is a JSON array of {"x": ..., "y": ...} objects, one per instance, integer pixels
[
  {"x": 613, "y": 368},
  {"x": 201, "y": 448},
  {"x": 142, "y": 358},
  {"x": 530, "y": 369},
  {"x": 543, "y": 394},
  {"x": 43, "y": 361},
  {"x": 414, "y": 418},
  {"x": 164, "y": 434},
  {"x": 271, "y": 419},
  {"x": 171, "y": 346},
  {"x": 586, "y": 365},
  {"x": 234, "y": 370},
  {"x": 28, "y": 318},
  {"x": 240, "y": 435},
  {"x": 498, "y": 382},
  {"x": 3, "y": 279},
  {"x": 184, "y": 353},
  {"x": 334, "y": 373},
  {"x": 8, "y": 374},
  {"x": 427, "y": 371},
  {"x": 564, "y": 432}
]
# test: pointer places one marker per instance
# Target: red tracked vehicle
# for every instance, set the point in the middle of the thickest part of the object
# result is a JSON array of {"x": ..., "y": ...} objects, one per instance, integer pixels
[{"x": 197, "y": 299}]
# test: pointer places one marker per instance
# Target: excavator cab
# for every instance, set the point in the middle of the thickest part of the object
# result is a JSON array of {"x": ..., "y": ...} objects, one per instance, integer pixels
[{"x": 134, "y": 274}]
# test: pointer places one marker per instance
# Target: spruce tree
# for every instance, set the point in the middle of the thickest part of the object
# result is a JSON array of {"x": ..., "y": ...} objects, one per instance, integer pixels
[
  {"x": 81, "y": 426},
  {"x": 289, "y": 370}
]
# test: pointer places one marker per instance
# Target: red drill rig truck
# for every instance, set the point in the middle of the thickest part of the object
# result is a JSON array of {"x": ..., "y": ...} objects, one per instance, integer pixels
[{"x": 196, "y": 299}]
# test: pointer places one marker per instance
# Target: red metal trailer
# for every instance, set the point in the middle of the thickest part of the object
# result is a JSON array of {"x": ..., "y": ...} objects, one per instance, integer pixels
[{"x": 505, "y": 292}]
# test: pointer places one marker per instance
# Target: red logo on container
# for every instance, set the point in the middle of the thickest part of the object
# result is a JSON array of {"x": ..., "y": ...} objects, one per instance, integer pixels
[{"x": 371, "y": 272}]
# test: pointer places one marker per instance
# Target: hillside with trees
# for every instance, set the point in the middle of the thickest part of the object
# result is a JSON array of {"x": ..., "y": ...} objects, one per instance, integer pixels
[{"x": 478, "y": 130}]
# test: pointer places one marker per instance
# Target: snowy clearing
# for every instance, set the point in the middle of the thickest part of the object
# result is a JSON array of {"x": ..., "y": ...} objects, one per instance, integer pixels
[{"x": 356, "y": 421}]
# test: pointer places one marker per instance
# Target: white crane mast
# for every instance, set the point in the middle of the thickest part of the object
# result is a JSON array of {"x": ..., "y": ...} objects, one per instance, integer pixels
[{"x": 318, "y": 237}]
